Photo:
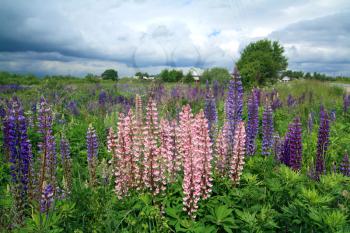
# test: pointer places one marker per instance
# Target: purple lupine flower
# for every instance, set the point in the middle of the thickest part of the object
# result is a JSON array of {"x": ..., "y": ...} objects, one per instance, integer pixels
[
  {"x": 290, "y": 101},
  {"x": 20, "y": 156},
  {"x": 73, "y": 108},
  {"x": 211, "y": 114},
  {"x": 102, "y": 98},
  {"x": 216, "y": 89},
  {"x": 234, "y": 104},
  {"x": 322, "y": 143},
  {"x": 2, "y": 112},
  {"x": 6, "y": 135},
  {"x": 333, "y": 116},
  {"x": 295, "y": 144},
  {"x": 66, "y": 164},
  {"x": 47, "y": 147},
  {"x": 267, "y": 130},
  {"x": 47, "y": 198},
  {"x": 310, "y": 122},
  {"x": 285, "y": 152},
  {"x": 344, "y": 166},
  {"x": 257, "y": 93},
  {"x": 253, "y": 123},
  {"x": 92, "y": 152}
]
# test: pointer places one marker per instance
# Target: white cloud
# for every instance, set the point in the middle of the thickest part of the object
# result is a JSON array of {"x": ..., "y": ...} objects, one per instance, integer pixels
[{"x": 69, "y": 36}]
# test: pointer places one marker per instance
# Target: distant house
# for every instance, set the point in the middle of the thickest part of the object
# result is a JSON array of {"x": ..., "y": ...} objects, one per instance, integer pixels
[
  {"x": 285, "y": 79},
  {"x": 148, "y": 78},
  {"x": 196, "y": 74}
]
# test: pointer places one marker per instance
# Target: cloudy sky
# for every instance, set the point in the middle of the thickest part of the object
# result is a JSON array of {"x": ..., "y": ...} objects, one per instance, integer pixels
[{"x": 88, "y": 36}]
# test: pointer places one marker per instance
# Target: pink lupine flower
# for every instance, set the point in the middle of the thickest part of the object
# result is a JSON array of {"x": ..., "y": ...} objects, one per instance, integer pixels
[
  {"x": 152, "y": 174},
  {"x": 237, "y": 160},
  {"x": 122, "y": 159},
  {"x": 138, "y": 140},
  {"x": 191, "y": 161},
  {"x": 221, "y": 149},
  {"x": 203, "y": 150}
]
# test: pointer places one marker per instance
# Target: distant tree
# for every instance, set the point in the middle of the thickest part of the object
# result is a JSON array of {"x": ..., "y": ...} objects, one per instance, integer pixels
[
  {"x": 171, "y": 75},
  {"x": 261, "y": 62},
  {"x": 188, "y": 78},
  {"x": 110, "y": 74},
  {"x": 217, "y": 73}
]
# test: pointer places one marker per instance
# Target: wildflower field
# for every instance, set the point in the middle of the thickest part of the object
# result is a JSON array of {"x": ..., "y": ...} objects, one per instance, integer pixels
[{"x": 146, "y": 156}]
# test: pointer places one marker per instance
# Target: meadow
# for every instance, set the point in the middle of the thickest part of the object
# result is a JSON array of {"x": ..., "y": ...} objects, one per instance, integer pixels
[{"x": 147, "y": 156}]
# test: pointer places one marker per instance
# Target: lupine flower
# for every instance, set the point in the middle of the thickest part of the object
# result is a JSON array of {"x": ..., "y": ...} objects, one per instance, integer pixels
[
  {"x": 92, "y": 152},
  {"x": 216, "y": 89},
  {"x": 203, "y": 149},
  {"x": 221, "y": 149},
  {"x": 295, "y": 144},
  {"x": 253, "y": 123},
  {"x": 237, "y": 160},
  {"x": 290, "y": 100},
  {"x": 47, "y": 147},
  {"x": 66, "y": 164},
  {"x": 322, "y": 143},
  {"x": 344, "y": 166},
  {"x": 138, "y": 139},
  {"x": 102, "y": 98},
  {"x": 310, "y": 123},
  {"x": 20, "y": 156},
  {"x": 152, "y": 174},
  {"x": 211, "y": 113},
  {"x": 333, "y": 116},
  {"x": 73, "y": 108},
  {"x": 47, "y": 199},
  {"x": 267, "y": 129},
  {"x": 6, "y": 135},
  {"x": 234, "y": 104},
  {"x": 277, "y": 147},
  {"x": 192, "y": 163},
  {"x": 285, "y": 152}
]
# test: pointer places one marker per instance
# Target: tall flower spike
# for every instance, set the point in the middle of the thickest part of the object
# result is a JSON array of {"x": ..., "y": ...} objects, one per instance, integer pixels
[
  {"x": 92, "y": 152},
  {"x": 20, "y": 157},
  {"x": 234, "y": 104},
  {"x": 211, "y": 113},
  {"x": 267, "y": 129},
  {"x": 203, "y": 150},
  {"x": 253, "y": 123},
  {"x": 237, "y": 160},
  {"x": 152, "y": 174},
  {"x": 295, "y": 145},
  {"x": 221, "y": 148},
  {"x": 322, "y": 143},
  {"x": 66, "y": 165},
  {"x": 192, "y": 163},
  {"x": 344, "y": 166},
  {"x": 47, "y": 147},
  {"x": 138, "y": 139},
  {"x": 47, "y": 198}
]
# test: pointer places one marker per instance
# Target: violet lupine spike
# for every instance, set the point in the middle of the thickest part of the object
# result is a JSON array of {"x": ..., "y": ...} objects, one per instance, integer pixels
[
  {"x": 267, "y": 130},
  {"x": 322, "y": 143},
  {"x": 216, "y": 89},
  {"x": 47, "y": 147},
  {"x": 203, "y": 149},
  {"x": 234, "y": 104},
  {"x": 221, "y": 149},
  {"x": 152, "y": 174},
  {"x": 20, "y": 157},
  {"x": 211, "y": 114},
  {"x": 192, "y": 163},
  {"x": 253, "y": 123},
  {"x": 285, "y": 150},
  {"x": 66, "y": 165},
  {"x": 295, "y": 144},
  {"x": 6, "y": 135},
  {"x": 237, "y": 160},
  {"x": 92, "y": 153},
  {"x": 344, "y": 166},
  {"x": 47, "y": 199}
]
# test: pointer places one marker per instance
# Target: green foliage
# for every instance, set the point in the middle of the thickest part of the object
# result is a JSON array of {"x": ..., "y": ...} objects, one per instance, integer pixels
[
  {"x": 110, "y": 74},
  {"x": 220, "y": 74},
  {"x": 261, "y": 62},
  {"x": 171, "y": 75}
]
